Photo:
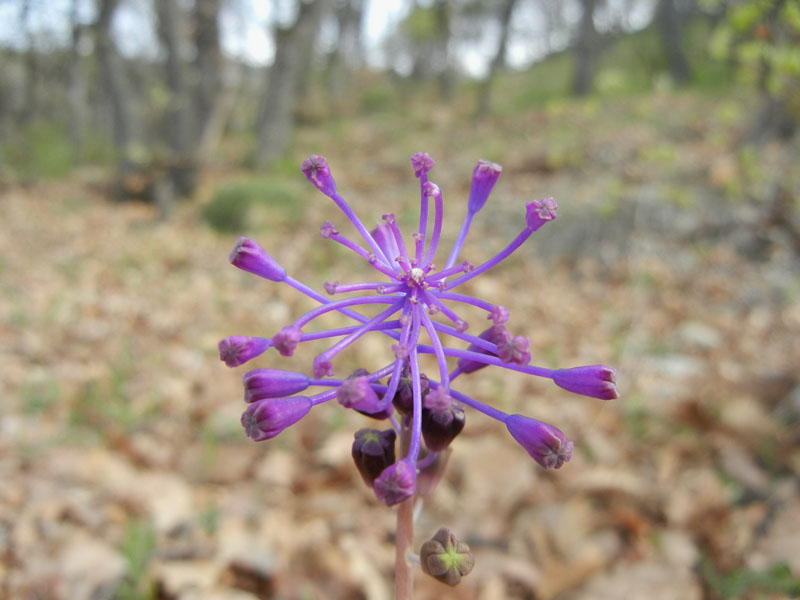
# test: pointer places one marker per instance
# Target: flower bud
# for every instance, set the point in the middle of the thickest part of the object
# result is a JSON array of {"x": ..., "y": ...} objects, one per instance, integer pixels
[
  {"x": 373, "y": 451},
  {"x": 445, "y": 558},
  {"x": 386, "y": 241},
  {"x": 403, "y": 399},
  {"x": 286, "y": 340},
  {"x": 260, "y": 384},
  {"x": 494, "y": 335},
  {"x": 595, "y": 381},
  {"x": 484, "y": 177},
  {"x": 442, "y": 419},
  {"x": 249, "y": 256},
  {"x": 238, "y": 349},
  {"x": 396, "y": 483},
  {"x": 317, "y": 171},
  {"x": 514, "y": 350},
  {"x": 322, "y": 366},
  {"x": 422, "y": 163},
  {"x": 545, "y": 443},
  {"x": 539, "y": 212},
  {"x": 265, "y": 419}
]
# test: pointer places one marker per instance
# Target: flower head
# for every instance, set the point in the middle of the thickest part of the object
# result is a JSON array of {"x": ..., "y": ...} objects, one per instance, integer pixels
[
  {"x": 415, "y": 306},
  {"x": 446, "y": 558}
]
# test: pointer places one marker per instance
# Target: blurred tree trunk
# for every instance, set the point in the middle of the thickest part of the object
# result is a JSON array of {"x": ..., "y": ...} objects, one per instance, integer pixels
[
  {"x": 179, "y": 119},
  {"x": 443, "y": 11},
  {"x": 347, "y": 56},
  {"x": 498, "y": 60},
  {"x": 293, "y": 51},
  {"x": 76, "y": 90},
  {"x": 586, "y": 47},
  {"x": 670, "y": 27},
  {"x": 115, "y": 88},
  {"x": 31, "y": 90},
  {"x": 207, "y": 84}
]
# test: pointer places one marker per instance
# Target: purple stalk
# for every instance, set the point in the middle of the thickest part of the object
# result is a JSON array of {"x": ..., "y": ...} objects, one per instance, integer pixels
[
  {"x": 326, "y": 308},
  {"x": 437, "y": 223},
  {"x": 505, "y": 253},
  {"x": 462, "y": 236}
]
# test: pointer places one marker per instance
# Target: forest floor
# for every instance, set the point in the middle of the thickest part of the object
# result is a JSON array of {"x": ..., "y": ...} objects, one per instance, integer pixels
[{"x": 125, "y": 472}]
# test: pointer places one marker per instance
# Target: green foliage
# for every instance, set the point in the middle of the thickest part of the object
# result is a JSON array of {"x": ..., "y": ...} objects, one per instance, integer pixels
[
  {"x": 138, "y": 546},
  {"x": 742, "y": 583},
  {"x": 44, "y": 151},
  {"x": 37, "y": 396},
  {"x": 247, "y": 204},
  {"x": 421, "y": 25},
  {"x": 763, "y": 38}
]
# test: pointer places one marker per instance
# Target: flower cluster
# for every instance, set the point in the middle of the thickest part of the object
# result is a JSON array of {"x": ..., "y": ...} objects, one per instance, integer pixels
[{"x": 429, "y": 410}]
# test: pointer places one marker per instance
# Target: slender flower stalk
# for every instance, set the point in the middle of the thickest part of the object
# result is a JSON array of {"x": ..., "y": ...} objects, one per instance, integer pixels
[{"x": 417, "y": 306}]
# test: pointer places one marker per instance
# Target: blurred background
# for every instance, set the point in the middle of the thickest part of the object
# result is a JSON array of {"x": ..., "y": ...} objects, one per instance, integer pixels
[{"x": 139, "y": 139}]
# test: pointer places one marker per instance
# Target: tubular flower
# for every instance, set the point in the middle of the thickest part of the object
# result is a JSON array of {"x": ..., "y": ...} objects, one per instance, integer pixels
[{"x": 415, "y": 305}]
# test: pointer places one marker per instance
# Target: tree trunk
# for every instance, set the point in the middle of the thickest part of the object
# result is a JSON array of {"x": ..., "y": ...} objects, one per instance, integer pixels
[
  {"x": 443, "y": 10},
  {"x": 76, "y": 90},
  {"x": 180, "y": 165},
  {"x": 670, "y": 27},
  {"x": 292, "y": 57},
  {"x": 347, "y": 56},
  {"x": 207, "y": 82},
  {"x": 498, "y": 60},
  {"x": 115, "y": 87},
  {"x": 585, "y": 49}
]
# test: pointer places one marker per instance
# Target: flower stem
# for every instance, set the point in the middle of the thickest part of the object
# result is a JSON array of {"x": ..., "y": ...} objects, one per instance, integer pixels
[{"x": 404, "y": 534}]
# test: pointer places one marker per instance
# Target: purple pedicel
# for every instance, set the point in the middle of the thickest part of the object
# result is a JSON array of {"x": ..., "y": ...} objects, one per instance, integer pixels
[{"x": 418, "y": 312}]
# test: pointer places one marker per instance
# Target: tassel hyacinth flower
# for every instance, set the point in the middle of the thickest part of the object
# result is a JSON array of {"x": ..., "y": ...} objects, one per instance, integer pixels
[{"x": 418, "y": 307}]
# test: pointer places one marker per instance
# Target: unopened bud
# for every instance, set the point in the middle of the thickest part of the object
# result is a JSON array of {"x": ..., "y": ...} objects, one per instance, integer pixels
[{"x": 445, "y": 558}]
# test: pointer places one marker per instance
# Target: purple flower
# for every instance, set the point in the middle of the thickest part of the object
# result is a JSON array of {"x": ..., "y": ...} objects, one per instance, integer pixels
[
  {"x": 265, "y": 419},
  {"x": 546, "y": 444},
  {"x": 238, "y": 349},
  {"x": 484, "y": 177},
  {"x": 595, "y": 381},
  {"x": 250, "y": 257},
  {"x": 539, "y": 212},
  {"x": 318, "y": 173},
  {"x": 260, "y": 384},
  {"x": 396, "y": 483},
  {"x": 413, "y": 303}
]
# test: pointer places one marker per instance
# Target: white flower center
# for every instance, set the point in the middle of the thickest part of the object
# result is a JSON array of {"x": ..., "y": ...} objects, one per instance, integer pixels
[{"x": 416, "y": 275}]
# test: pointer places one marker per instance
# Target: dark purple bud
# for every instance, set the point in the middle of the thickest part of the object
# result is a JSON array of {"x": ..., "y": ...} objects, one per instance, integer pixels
[
  {"x": 483, "y": 179},
  {"x": 238, "y": 349},
  {"x": 422, "y": 163},
  {"x": 539, "y": 212},
  {"x": 265, "y": 419},
  {"x": 514, "y": 349},
  {"x": 286, "y": 340},
  {"x": 396, "y": 483},
  {"x": 260, "y": 384},
  {"x": 595, "y": 381},
  {"x": 386, "y": 241},
  {"x": 494, "y": 335},
  {"x": 403, "y": 399},
  {"x": 249, "y": 256},
  {"x": 446, "y": 558},
  {"x": 373, "y": 451},
  {"x": 545, "y": 443},
  {"x": 317, "y": 171},
  {"x": 442, "y": 419}
]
